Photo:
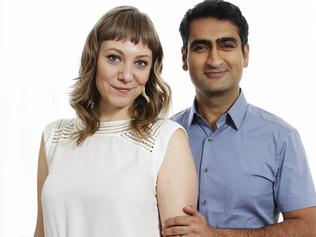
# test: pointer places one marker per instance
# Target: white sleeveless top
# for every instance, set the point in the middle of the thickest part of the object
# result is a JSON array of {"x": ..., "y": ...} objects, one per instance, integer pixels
[{"x": 107, "y": 185}]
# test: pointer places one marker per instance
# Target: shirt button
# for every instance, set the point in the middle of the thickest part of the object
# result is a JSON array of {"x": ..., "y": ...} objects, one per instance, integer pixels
[
  {"x": 205, "y": 170},
  {"x": 204, "y": 202},
  {"x": 209, "y": 139}
]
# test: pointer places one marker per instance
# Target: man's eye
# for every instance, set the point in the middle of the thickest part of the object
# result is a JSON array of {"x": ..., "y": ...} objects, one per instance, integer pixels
[
  {"x": 114, "y": 58},
  {"x": 141, "y": 64},
  {"x": 199, "y": 48},
  {"x": 228, "y": 46}
]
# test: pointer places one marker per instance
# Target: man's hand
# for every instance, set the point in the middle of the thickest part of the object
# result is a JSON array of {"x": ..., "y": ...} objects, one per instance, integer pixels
[
  {"x": 296, "y": 223},
  {"x": 194, "y": 224}
]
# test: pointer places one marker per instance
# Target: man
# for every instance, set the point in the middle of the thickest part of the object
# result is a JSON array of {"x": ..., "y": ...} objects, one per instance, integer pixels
[{"x": 251, "y": 164}]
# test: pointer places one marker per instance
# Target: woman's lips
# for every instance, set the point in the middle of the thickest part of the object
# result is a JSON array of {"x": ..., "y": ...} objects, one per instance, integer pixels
[{"x": 122, "y": 90}]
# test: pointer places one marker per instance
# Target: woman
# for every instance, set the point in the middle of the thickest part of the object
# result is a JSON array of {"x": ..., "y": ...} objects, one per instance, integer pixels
[{"x": 119, "y": 166}]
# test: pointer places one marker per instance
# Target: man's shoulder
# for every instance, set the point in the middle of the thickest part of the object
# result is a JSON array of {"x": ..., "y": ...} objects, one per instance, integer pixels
[
  {"x": 182, "y": 117},
  {"x": 263, "y": 116}
]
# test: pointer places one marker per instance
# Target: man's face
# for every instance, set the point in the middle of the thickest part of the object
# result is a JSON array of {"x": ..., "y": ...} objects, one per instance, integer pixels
[{"x": 214, "y": 57}]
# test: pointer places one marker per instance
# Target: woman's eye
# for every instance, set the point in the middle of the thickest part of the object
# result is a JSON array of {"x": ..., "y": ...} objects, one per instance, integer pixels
[
  {"x": 113, "y": 58},
  {"x": 141, "y": 63}
]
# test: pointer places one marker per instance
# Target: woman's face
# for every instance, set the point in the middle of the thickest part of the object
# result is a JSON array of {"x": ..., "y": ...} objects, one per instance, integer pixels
[{"x": 122, "y": 71}]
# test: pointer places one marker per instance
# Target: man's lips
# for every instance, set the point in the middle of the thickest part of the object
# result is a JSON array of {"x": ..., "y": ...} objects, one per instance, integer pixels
[{"x": 215, "y": 74}]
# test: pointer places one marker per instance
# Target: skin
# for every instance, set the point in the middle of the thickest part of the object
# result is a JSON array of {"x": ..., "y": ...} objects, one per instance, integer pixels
[
  {"x": 215, "y": 61},
  {"x": 41, "y": 177},
  {"x": 123, "y": 69},
  {"x": 177, "y": 183}
]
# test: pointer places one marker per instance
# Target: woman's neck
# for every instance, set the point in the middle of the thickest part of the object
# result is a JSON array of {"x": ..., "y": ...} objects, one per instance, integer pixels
[{"x": 111, "y": 113}]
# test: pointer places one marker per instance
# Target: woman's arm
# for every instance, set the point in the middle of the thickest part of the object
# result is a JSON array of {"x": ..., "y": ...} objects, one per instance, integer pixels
[
  {"x": 42, "y": 172},
  {"x": 177, "y": 180}
]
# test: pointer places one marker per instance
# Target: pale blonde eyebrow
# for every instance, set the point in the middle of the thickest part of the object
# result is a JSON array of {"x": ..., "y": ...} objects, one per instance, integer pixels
[
  {"x": 144, "y": 56},
  {"x": 122, "y": 53}
]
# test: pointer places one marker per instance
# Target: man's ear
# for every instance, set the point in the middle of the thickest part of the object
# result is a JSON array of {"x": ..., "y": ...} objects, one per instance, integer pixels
[
  {"x": 246, "y": 55},
  {"x": 184, "y": 59}
]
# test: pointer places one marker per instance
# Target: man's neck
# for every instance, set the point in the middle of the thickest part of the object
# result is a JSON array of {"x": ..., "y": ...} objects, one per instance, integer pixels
[{"x": 212, "y": 107}]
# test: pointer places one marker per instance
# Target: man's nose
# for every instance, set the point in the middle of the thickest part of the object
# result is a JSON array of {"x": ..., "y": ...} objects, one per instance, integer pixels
[{"x": 214, "y": 58}]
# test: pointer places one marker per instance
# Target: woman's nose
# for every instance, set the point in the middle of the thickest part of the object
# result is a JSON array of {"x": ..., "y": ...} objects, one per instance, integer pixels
[{"x": 125, "y": 73}]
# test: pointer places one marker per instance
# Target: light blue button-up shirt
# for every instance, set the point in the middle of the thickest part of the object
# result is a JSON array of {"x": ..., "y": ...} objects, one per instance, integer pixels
[{"x": 252, "y": 167}]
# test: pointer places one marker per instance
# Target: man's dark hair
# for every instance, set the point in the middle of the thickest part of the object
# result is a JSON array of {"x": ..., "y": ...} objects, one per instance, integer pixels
[{"x": 217, "y": 9}]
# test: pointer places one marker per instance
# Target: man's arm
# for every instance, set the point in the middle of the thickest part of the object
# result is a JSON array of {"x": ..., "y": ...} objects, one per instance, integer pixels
[{"x": 299, "y": 223}]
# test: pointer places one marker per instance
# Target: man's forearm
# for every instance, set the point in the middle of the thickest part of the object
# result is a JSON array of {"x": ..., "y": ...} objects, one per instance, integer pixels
[{"x": 288, "y": 228}]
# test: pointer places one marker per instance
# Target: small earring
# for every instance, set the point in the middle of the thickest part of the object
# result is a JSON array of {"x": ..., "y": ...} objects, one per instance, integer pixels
[
  {"x": 185, "y": 67},
  {"x": 91, "y": 104},
  {"x": 145, "y": 96}
]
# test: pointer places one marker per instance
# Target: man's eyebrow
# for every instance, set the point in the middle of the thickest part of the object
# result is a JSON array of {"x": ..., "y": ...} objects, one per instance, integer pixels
[
  {"x": 227, "y": 39},
  {"x": 209, "y": 43},
  {"x": 200, "y": 42}
]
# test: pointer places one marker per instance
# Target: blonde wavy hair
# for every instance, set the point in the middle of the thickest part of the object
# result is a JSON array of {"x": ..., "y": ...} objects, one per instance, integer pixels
[{"x": 120, "y": 23}]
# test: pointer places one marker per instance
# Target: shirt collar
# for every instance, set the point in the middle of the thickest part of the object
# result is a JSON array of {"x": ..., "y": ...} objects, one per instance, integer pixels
[
  {"x": 193, "y": 112},
  {"x": 236, "y": 112}
]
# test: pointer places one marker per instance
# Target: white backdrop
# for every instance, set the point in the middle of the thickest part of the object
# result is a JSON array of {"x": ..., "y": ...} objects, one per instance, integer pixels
[{"x": 40, "y": 48}]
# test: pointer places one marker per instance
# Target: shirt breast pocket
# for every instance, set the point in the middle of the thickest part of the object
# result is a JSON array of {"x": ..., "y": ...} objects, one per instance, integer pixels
[{"x": 257, "y": 191}]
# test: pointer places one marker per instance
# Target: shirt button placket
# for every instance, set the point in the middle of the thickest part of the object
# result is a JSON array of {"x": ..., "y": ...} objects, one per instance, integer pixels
[
  {"x": 209, "y": 139},
  {"x": 204, "y": 170}
]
